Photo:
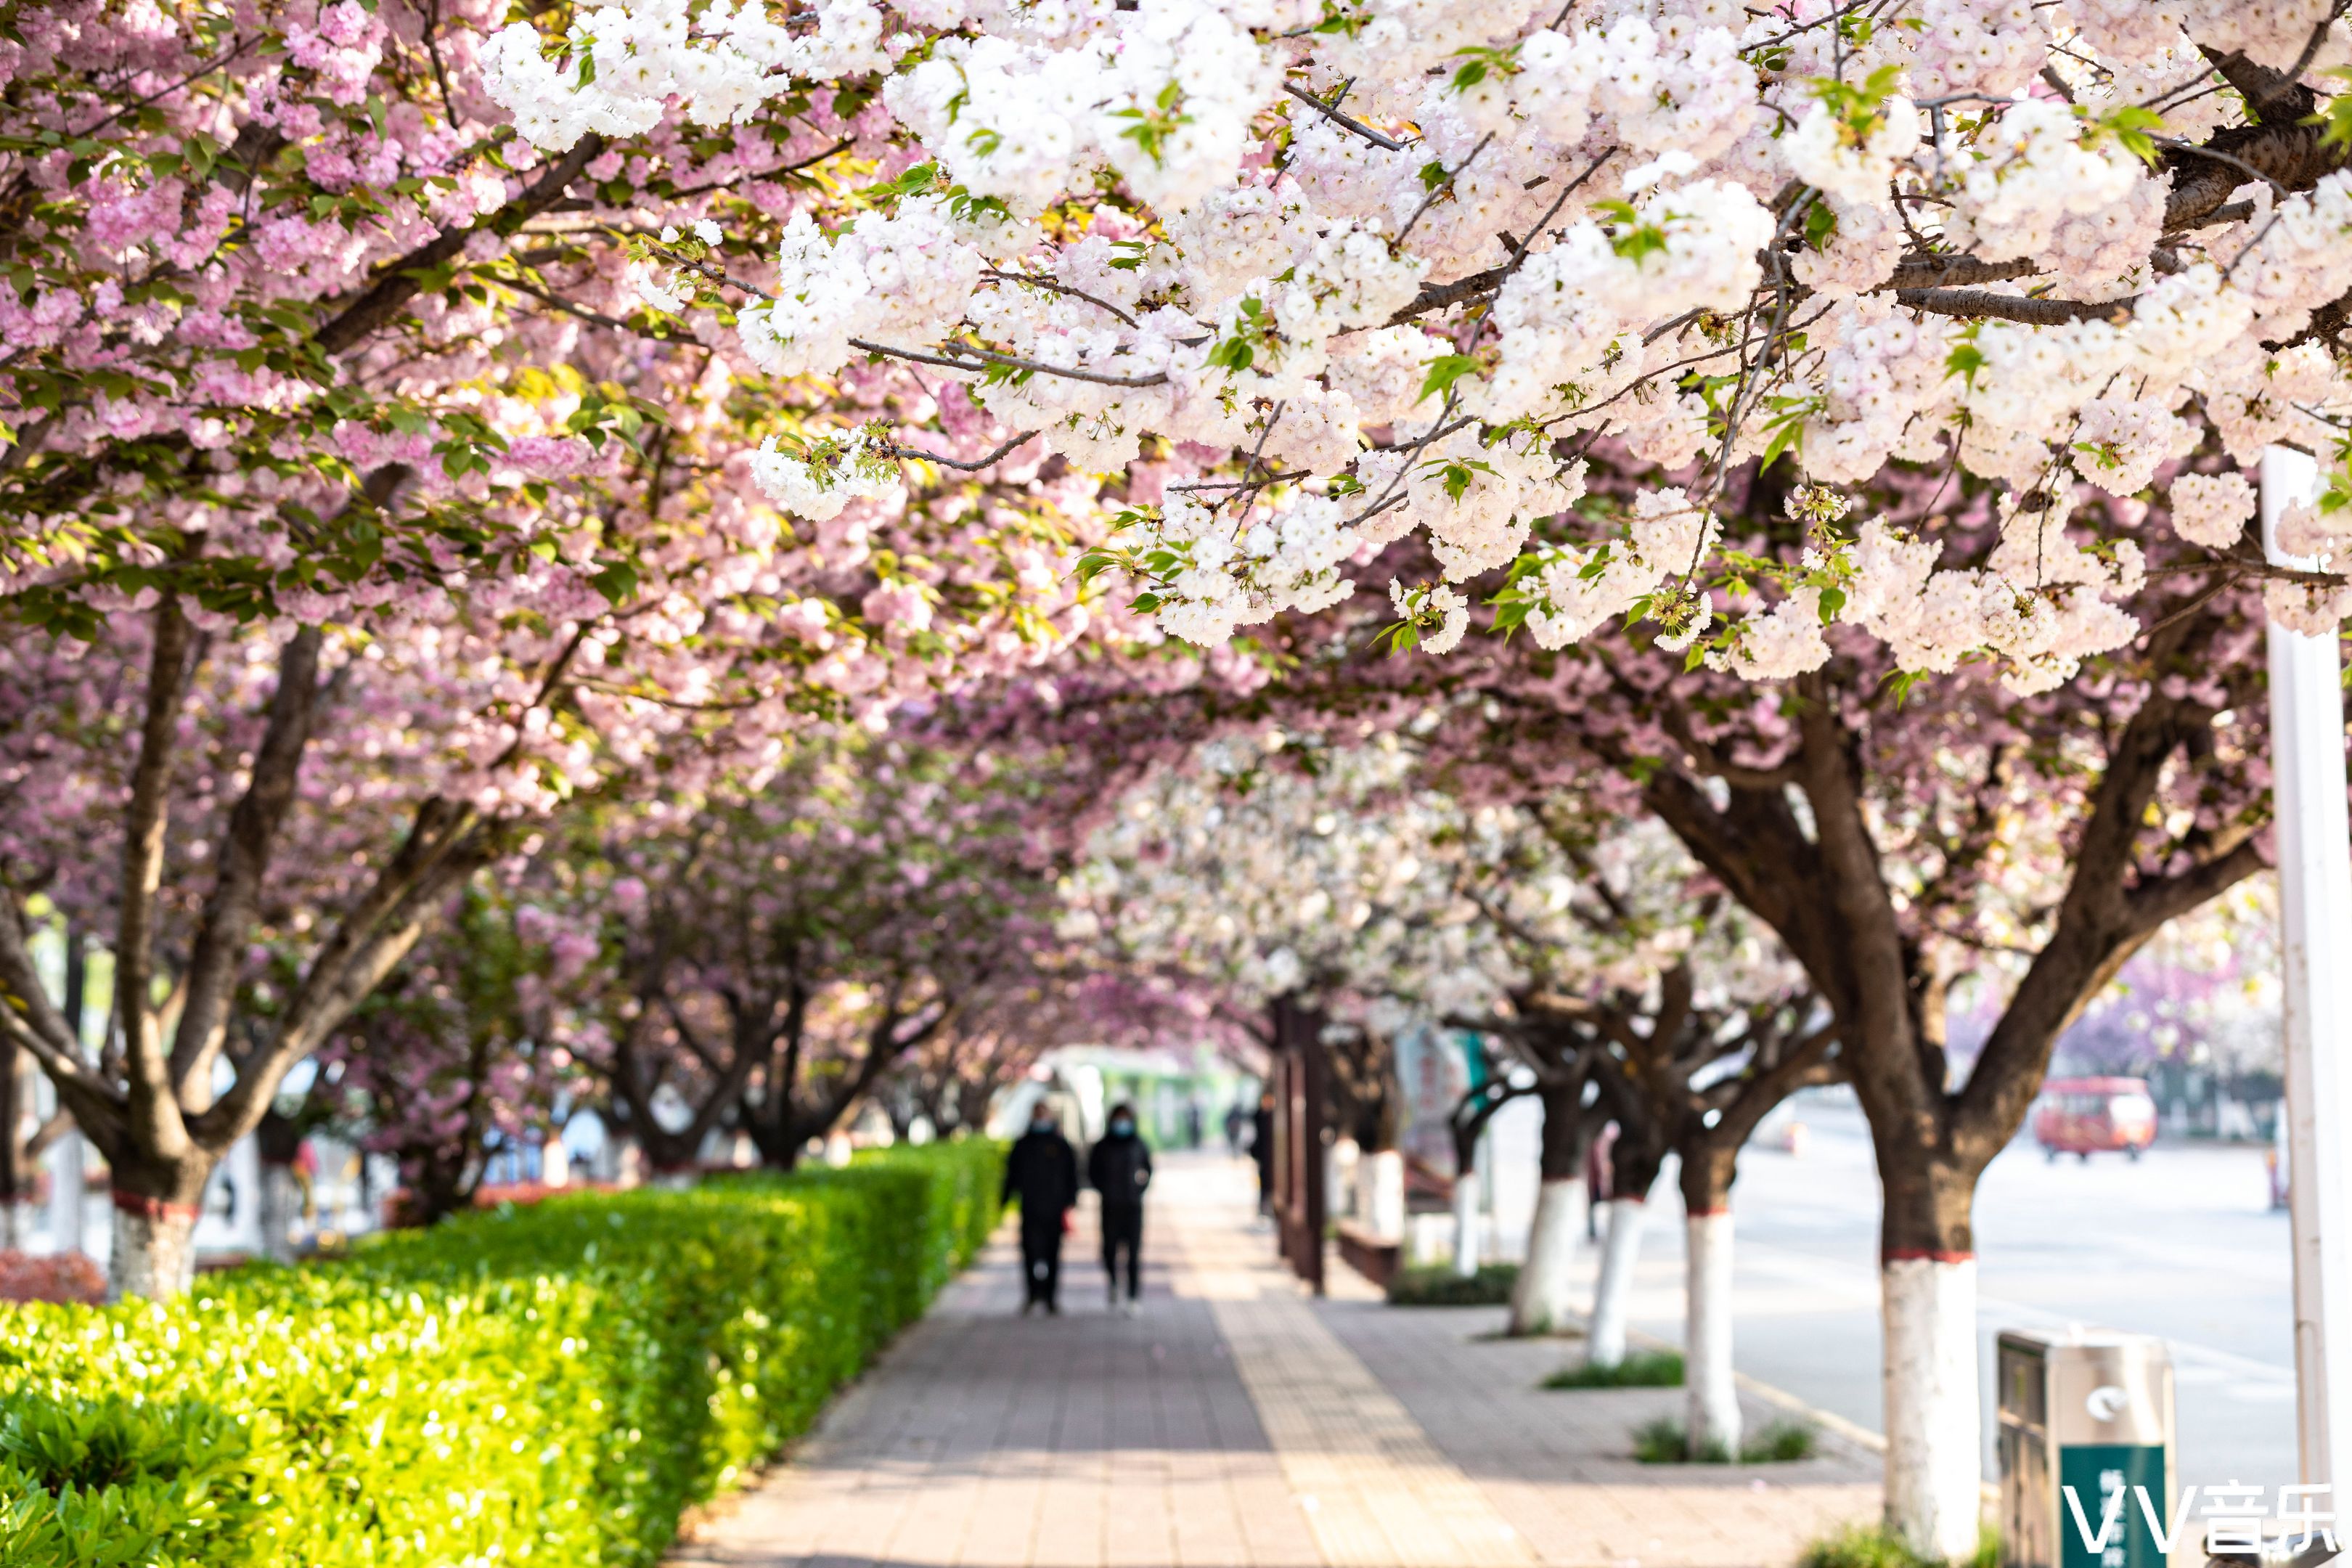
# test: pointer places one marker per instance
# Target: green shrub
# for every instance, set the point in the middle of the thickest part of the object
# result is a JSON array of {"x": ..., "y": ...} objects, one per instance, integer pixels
[
  {"x": 1874, "y": 1546},
  {"x": 1441, "y": 1287},
  {"x": 548, "y": 1387},
  {"x": 1780, "y": 1443},
  {"x": 1666, "y": 1441},
  {"x": 1642, "y": 1368}
]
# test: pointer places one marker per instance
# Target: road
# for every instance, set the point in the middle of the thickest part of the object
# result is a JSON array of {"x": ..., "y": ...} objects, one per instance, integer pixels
[{"x": 2183, "y": 1244}]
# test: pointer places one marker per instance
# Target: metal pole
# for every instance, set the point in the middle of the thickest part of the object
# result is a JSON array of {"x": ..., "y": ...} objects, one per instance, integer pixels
[{"x": 2314, "y": 871}]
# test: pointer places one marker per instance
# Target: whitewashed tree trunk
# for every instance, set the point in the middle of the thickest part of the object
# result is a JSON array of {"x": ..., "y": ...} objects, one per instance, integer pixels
[
  {"x": 66, "y": 1193},
  {"x": 154, "y": 1250},
  {"x": 1542, "y": 1300},
  {"x": 1380, "y": 1192},
  {"x": 1934, "y": 1435},
  {"x": 554, "y": 1163},
  {"x": 1340, "y": 1187},
  {"x": 1711, "y": 1394},
  {"x": 1605, "y": 1343},
  {"x": 280, "y": 1201},
  {"x": 1467, "y": 1230}
]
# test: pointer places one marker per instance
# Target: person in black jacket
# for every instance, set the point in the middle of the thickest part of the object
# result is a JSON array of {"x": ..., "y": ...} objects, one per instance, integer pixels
[
  {"x": 1042, "y": 1171},
  {"x": 1262, "y": 1150},
  {"x": 1119, "y": 1169}
]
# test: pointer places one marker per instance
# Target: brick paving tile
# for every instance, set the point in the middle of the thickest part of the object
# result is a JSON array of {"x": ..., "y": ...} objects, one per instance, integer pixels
[
  {"x": 1558, "y": 1464},
  {"x": 1238, "y": 1425}
]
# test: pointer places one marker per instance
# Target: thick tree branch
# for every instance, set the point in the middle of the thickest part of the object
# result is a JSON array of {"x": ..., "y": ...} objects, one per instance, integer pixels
[
  {"x": 252, "y": 840},
  {"x": 2153, "y": 903},
  {"x": 155, "y": 1110},
  {"x": 22, "y": 996},
  {"x": 403, "y": 279},
  {"x": 1982, "y": 304}
]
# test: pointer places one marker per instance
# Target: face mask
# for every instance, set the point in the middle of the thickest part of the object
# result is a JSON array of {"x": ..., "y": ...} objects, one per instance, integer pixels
[{"x": 1122, "y": 1127}]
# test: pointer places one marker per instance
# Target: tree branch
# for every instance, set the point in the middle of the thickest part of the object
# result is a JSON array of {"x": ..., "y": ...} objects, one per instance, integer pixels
[
  {"x": 403, "y": 279},
  {"x": 253, "y": 827},
  {"x": 155, "y": 1110},
  {"x": 1346, "y": 121},
  {"x": 990, "y": 356},
  {"x": 1981, "y": 303}
]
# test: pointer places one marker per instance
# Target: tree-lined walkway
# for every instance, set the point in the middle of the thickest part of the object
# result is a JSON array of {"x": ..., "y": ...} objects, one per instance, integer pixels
[{"x": 1238, "y": 1425}]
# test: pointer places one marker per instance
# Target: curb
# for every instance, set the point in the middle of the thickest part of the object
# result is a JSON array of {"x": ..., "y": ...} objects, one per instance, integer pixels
[
  {"x": 1838, "y": 1425},
  {"x": 1860, "y": 1435}
]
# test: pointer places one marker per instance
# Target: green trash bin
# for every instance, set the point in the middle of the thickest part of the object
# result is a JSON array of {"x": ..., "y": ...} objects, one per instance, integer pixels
[{"x": 2083, "y": 1418}]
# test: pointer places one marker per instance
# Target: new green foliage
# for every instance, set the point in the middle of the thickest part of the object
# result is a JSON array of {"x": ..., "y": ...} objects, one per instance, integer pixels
[{"x": 547, "y": 1386}]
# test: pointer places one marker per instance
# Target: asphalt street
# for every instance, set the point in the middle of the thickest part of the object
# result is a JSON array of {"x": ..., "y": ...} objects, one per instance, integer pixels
[{"x": 2181, "y": 1244}]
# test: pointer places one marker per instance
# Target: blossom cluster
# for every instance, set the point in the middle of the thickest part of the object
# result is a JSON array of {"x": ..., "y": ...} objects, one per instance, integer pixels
[{"x": 1313, "y": 255}]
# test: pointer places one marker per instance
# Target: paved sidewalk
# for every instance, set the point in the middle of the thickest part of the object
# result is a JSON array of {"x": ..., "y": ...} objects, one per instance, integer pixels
[{"x": 1239, "y": 1425}]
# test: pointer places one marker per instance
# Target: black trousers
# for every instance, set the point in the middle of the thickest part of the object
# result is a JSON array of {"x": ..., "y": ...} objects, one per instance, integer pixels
[
  {"x": 1041, "y": 1256},
  {"x": 1123, "y": 1228}
]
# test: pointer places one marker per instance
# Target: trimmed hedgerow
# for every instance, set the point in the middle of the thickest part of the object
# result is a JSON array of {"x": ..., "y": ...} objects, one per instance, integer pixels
[{"x": 551, "y": 1386}]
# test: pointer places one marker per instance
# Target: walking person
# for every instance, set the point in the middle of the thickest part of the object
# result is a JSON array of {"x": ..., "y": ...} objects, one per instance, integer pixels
[
  {"x": 1042, "y": 1171},
  {"x": 1119, "y": 1169},
  {"x": 1262, "y": 1151}
]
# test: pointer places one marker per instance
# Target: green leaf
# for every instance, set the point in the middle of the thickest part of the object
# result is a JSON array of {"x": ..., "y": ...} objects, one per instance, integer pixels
[
  {"x": 1443, "y": 372},
  {"x": 1821, "y": 226},
  {"x": 1965, "y": 360},
  {"x": 616, "y": 582},
  {"x": 2136, "y": 129},
  {"x": 2335, "y": 115}
]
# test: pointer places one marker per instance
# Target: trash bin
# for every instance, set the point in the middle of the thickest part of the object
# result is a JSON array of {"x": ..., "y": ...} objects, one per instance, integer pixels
[{"x": 2091, "y": 1411}]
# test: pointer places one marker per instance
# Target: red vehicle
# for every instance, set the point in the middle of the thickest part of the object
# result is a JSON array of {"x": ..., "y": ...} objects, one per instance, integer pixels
[{"x": 2084, "y": 1116}]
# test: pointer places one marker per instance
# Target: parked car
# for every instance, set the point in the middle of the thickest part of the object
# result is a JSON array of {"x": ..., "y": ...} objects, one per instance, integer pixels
[{"x": 2084, "y": 1116}]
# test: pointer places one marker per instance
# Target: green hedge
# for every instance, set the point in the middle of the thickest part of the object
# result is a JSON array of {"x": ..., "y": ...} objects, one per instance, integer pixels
[{"x": 548, "y": 1387}]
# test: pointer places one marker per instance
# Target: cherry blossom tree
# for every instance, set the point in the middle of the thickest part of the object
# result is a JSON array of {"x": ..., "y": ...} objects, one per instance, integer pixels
[
  {"x": 1890, "y": 835},
  {"x": 1894, "y": 836},
  {"x": 479, "y": 1038},
  {"x": 1632, "y": 967},
  {"x": 773, "y": 957},
  {"x": 1369, "y": 267},
  {"x": 381, "y": 519}
]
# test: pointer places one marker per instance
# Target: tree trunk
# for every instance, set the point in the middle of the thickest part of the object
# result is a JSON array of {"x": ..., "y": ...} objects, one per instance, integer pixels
[
  {"x": 16, "y": 1172},
  {"x": 1927, "y": 1278},
  {"x": 280, "y": 1140},
  {"x": 155, "y": 1208},
  {"x": 280, "y": 1201},
  {"x": 1711, "y": 1393},
  {"x": 1468, "y": 1231},
  {"x": 1605, "y": 1343},
  {"x": 69, "y": 1193},
  {"x": 1541, "y": 1299},
  {"x": 1634, "y": 1163},
  {"x": 1379, "y": 1194}
]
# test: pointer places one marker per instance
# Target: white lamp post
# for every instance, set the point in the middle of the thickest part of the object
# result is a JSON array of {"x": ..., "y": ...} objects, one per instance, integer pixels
[{"x": 2314, "y": 871}]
